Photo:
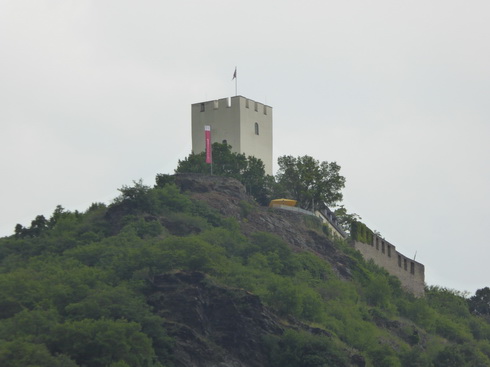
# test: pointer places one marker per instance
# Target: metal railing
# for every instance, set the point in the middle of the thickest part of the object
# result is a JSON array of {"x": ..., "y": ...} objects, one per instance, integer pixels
[{"x": 293, "y": 209}]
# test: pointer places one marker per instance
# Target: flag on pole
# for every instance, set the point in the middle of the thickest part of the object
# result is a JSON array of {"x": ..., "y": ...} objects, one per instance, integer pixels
[
  {"x": 236, "y": 82},
  {"x": 207, "y": 137}
]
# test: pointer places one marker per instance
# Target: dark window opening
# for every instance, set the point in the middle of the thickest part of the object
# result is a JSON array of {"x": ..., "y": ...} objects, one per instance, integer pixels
[
  {"x": 383, "y": 247},
  {"x": 405, "y": 264},
  {"x": 399, "y": 261},
  {"x": 202, "y": 107},
  {"x": 225, "y": 141},
  {"x": 412, "y": 268},
  {"x": 389, "y": 251},
  {"x": 256, "y": 128}
]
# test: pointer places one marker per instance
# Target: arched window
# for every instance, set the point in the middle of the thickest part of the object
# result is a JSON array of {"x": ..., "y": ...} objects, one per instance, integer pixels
[
  {"x": 256, "y": 128},
  {"x": 225, "y": 142}
]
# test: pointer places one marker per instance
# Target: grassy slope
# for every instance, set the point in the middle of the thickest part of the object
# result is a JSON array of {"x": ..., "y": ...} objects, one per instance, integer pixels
[{"x": 72, "y": 292}]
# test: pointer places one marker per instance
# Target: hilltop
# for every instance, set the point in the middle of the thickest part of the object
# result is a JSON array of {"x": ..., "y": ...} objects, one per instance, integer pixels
[{"x": 193, "y": 272}]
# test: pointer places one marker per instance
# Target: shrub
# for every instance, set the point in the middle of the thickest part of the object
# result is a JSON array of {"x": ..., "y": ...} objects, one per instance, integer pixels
[{"x": 299, "y": 348}]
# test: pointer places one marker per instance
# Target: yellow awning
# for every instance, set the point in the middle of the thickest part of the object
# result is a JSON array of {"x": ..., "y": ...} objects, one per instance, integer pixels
[{"x": 288, "y": 202}]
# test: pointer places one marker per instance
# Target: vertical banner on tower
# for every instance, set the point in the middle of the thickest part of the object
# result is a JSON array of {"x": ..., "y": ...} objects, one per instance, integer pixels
[{"x": 207, "y": 137}]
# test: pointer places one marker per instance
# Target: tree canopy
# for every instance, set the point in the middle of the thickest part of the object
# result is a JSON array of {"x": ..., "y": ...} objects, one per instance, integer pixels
[
  {"x": 313, "y": 183},
  {"x": 480, "y": 302}
]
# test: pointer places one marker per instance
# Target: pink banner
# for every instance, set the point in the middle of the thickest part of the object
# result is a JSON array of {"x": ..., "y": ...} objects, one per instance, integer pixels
[{"x": 207, "y": 136}]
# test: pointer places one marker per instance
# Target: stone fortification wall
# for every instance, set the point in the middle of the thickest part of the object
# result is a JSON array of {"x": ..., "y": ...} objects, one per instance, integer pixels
[{"x": 410, "y": 272}]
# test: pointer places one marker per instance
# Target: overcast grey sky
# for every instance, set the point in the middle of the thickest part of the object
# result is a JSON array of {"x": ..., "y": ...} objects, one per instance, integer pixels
[{"x": 96, "y": 94}]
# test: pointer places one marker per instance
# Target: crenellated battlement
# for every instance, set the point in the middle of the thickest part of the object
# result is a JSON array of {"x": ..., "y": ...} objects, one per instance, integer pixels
[
  {"x": 241, "y": 122},
  {"x": 373, "y": 247},
  {"x": 230, "y": 102}
]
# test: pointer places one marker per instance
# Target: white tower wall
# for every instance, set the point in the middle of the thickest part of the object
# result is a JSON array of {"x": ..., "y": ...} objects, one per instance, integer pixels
[{"x": 246, "y": 125}]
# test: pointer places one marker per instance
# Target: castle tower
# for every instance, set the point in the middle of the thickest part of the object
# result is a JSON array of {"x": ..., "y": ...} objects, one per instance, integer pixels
[{"x": 244, "y": 124}]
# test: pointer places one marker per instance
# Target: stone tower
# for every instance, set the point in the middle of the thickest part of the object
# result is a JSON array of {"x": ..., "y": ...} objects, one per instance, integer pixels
[{"x": 244, "y": 124}]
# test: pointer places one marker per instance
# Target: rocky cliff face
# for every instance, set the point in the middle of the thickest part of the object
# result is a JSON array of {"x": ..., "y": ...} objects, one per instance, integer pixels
[
  {"x": 228, "y": 196},
  {"x": 212, "y": 325},
  {"x": 215, "y": 326}
]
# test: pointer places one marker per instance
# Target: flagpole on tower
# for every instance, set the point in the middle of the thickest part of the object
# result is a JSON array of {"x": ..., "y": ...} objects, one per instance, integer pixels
[{"x": 236, "y": 82}]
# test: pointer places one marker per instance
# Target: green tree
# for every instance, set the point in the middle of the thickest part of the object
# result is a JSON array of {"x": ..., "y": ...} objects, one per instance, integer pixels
[
  {"x": 225, "y": 162},
  {"x": 345, "y": 219},
  {"x": 59, "y": 212},
  {"x": 298, "y": 348},
  {"x": 163, "y": 179},
  {"x": 384, "y": 356},
  {"x": 416, "y": 357},
  {"x": 378, "y": 291},
  {"x": 256, "y": 182},
  {"x": 449, "y": 357},
  {"x": 38, "y": 225},
  {"x": 479, "y": 304},
  {"x": 135, "y": 197},
  {"x": 100, "y": 343},
  {"x": 20, "y": 353},
  {"x": 314, "y": 184}
]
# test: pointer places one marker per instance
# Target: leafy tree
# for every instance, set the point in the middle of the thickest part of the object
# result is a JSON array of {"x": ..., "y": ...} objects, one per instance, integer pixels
[
  {"x": 345, "y": 219},
  {"x": 449, "y": 357},
  {"x": 19, "y": 230},
  {"x": 20, "y": 353},
  {"x": 447, "y": 301},
  {"x": 58, "y": 213},
  {"x": 256, "y": 182},
  {"x": 479, "y": 304},
  {"x": 136, "y": 196},
  {"x": 34, "y": 323},
  {"x": 167, "y": 198},
  {"x": 384, "y": 356},
  {"x": 298, "y": 348},
  {"x": 416, "y": 358},
  {"x": 225, "y": 162},
  {"x": 38, "y": 225},
  {"x": 378, "y": 291},
  {"x": 464, "y": 355},
  {"x": 163, "y": 179},
  {"x": 100, "y": 343},
  {"x": 314, "y": 184}
]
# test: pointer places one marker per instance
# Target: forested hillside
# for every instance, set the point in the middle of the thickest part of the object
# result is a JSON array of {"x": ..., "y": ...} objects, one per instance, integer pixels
[{"x": 193, "y": 272}]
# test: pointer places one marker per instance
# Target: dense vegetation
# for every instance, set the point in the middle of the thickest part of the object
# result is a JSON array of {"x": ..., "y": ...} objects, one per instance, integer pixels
[
  {"x": 250, "y": 171},
  {"x": 312, "y": 183},
  {"x": 73, "y": 291}
]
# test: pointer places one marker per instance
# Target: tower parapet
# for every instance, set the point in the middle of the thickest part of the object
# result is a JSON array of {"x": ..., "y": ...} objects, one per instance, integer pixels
[
  {"x": 244, "y": 124},
  {"x": 373, "y": 247}
]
